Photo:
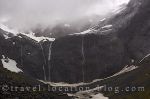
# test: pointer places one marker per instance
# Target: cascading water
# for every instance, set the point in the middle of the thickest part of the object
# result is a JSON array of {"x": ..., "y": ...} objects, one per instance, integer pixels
[
  {"x": 49, "y": 59},
  {"x": 21, "y": 60},
  {"x": 44, "y": 62},
  {"x": 44, "y": 72},
  {"x": 83, "y": 59}
]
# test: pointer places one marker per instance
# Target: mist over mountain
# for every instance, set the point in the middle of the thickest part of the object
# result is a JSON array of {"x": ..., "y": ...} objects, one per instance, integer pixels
[
  {"x": 24, "y": 15},
  {"x": 102, "y": 54}
]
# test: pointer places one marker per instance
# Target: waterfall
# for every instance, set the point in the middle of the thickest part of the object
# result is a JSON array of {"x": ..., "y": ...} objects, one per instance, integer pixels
[
  {"x": 44, "y": 62},
  {"x": 49, "y": 59},
  {"x": 83, "y": 59},
  {"x": 21, "y": 56},
  {"x": 44, "y": 73},
  {"x": 43, "y": 53}
]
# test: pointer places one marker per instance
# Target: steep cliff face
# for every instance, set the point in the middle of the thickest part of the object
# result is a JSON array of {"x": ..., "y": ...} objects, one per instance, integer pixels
[
  {"x": 27, "y": 53},
  {"x": 103, "y": 50},
  {"x": 86, "y": 57},
  {"x": 139, "y": 27}
]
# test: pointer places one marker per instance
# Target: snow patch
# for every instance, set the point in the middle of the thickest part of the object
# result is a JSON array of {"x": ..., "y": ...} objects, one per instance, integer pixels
[
  {"x": 120, "y": 8},
  {"x": 29, "y": 53},
  {"x": 63, "y": 84},
  {"x": 38, "y": 39},
  {"x": 144, "y": 58},
  {"x": 10, "y": 64},
  {"x": 120, "y": 2},
  {"x": 132, "y": 60},
  {"x": 90, "y": 94},
  {"x": 6, "y": 36},
  {"x": 14, "y": 43},
  {"x": 126, "y": 69},
  {"x": 102, "y": 19},
  {"x": 99, "y": 96},
  {"x": 19, "y": 36},
  {"x": 67, "y": 25},
  {"x": 81, "y": 33},
  {"x": 106, "y": 26}
]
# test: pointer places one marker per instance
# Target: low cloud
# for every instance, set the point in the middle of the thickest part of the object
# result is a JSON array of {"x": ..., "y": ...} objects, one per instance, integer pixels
[{"x": 26, "y": 14}]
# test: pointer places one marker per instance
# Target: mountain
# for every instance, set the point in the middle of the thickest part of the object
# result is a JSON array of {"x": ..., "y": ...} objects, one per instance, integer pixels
[
  {"x": 119, "y": 40},
  {"x": 64, "y": 28},
  {"x": 14, "y": 74},
  {"x": 96, "y": 49},
  {"x": 79, "y": 54},
  {"x": 134, "y": 34},
  {"x": 115, "y": 52}
]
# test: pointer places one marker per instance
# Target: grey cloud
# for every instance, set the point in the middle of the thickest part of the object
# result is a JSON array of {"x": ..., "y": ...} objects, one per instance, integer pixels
[{"x": 25, "y": 14}]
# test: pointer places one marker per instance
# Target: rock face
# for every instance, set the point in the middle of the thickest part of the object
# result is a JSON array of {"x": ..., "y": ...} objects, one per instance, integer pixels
[
  {"x": 86, "y": 57},
  {"x": 26, "y": 52},
  {"x": 112, "y": 44},
  {"x": 98, "y": 53}
]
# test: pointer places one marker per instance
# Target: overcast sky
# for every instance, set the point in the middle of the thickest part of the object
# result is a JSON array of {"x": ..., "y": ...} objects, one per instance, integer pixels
[{"x": 28, "y": 13}]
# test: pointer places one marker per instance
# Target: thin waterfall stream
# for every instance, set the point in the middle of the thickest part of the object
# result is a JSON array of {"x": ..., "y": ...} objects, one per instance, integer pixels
[
  {"x": 21, "y": 56},
  {"x": 44, "y": 62},
  {"x": 49, "y": 59},
  {"x": 83, "y": 59}
]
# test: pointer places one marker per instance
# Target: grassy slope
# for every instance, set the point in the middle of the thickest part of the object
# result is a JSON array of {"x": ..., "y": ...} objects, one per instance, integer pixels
[
  {"x": 139, "y": 77},
  {"x": 13, "y": 79}
]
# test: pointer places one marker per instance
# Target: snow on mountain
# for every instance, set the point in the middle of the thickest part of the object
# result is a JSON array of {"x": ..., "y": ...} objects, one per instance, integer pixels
[
  {"x": 5, "y": 28},
  {"x": 144, "y": 58},
  {"x": 38, "y": 39},
  {"x": 98, "y": 96},
  {"x": 8, "y": 32},
  {"x": 119, "y": 9},
  {"x": 103, "y": 29},
  {"x": 67, "y": 25},
  {"x": 95, "y": 92},
  {"x": 106, "y": 26},
  {"x": 90, "y": 94},
  {"x": 120, "y": 2},
  {"x": 62, "y": 84},
  {"x": 84, "y": 32},
  {"x": 6, "y": 36},
  {"x": 10, "y": 64},
  {"x": 31, "y": 35},
  {"x": 102, "y": 19},
  {"x": 126, "y": 69}
]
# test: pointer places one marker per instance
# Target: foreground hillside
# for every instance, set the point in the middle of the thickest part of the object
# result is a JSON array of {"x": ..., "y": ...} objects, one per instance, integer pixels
[{"x": 16, "y": 81}]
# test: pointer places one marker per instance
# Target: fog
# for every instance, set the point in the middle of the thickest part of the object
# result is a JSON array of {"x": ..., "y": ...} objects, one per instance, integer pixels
[{"x": 25, "y": 14}]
